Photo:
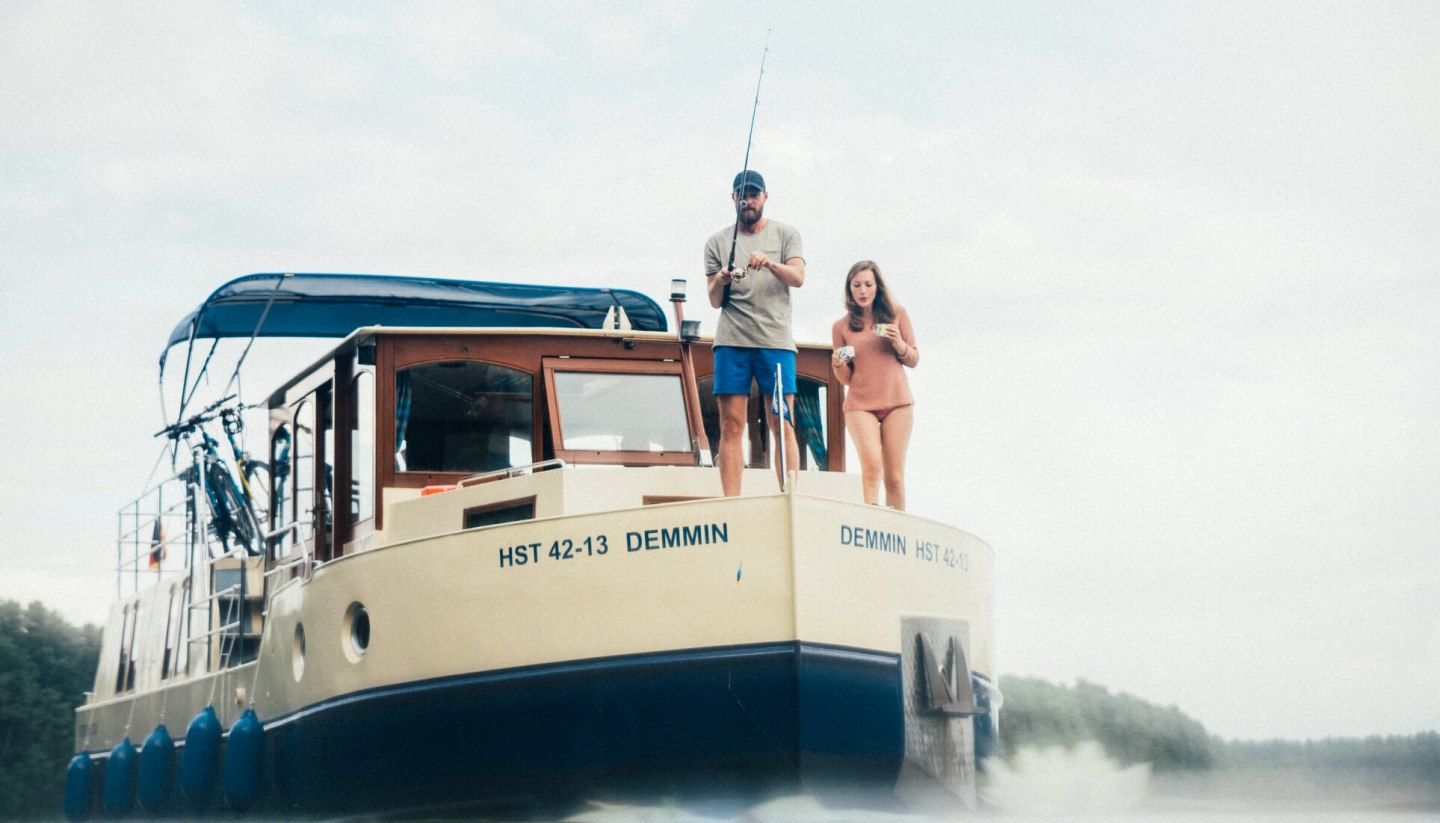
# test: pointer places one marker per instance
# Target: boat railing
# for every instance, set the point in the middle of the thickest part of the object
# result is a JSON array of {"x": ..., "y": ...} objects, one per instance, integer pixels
[
  {"x": 286, "y": 563},
  {"x": 234, "y": 613},
  {"x": 147, "y": 530},
  {"x": 513, "y": 471},
  {"x": 229, "y": 634}
]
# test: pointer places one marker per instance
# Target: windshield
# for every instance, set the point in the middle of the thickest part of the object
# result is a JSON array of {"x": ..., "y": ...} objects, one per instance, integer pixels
[{"x": 613, "y": 411}]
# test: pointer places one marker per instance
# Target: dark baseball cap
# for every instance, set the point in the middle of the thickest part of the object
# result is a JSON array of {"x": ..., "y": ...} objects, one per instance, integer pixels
[{"x": 749, "y": 180}]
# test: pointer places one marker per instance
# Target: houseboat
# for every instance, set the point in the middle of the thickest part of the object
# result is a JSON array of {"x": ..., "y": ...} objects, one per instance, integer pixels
[{"x": 474, "y": 556}]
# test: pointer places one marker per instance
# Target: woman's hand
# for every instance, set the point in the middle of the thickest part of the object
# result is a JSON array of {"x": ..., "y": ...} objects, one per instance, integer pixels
[
  {"x": 841, "y": 368},
  {"x": 892, "y": 333}
]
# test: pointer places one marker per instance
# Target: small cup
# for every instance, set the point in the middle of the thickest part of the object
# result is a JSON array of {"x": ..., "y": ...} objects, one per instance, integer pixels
[
  {"x": 845, "y": 354},
  {"x": 880, "y": 329}
]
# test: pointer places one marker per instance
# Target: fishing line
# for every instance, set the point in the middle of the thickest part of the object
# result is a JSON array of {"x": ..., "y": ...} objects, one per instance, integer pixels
[{"x": 744, "y": 173}]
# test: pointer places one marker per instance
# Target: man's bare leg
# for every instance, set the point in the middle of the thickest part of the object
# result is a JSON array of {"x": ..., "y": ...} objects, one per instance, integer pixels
[{"x": 732, "y": 442}]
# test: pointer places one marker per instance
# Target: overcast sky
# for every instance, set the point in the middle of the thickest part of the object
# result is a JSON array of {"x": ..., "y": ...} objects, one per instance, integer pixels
[{"x": 1173, "y": 268}]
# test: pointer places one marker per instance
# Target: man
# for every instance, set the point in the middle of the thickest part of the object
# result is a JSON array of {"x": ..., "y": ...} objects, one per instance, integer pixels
[{"x": 753, "y": 335}]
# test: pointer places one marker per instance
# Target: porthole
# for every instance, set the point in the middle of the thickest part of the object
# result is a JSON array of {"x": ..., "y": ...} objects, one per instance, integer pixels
[
  {"x": 297, "y": 653},
  {"x": 355, "y": 632}
]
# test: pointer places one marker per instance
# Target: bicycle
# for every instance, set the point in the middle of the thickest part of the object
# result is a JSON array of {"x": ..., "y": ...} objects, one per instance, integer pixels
[
  {"x": 254, "y": 475},
  {"x": 234, "y": 518}
]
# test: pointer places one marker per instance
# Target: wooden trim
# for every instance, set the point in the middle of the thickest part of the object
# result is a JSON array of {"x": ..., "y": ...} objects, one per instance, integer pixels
[
  {"x": 528, "y": 351},
  {"x": 657, "y": 499},
  {"x": 343, "y": 405},
  {"x": 385, "y": 475}
]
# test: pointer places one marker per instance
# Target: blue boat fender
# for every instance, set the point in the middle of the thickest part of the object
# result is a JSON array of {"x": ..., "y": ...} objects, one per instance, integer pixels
[
  {"x": 157, "y": 770},
  {"x": 199, "y": 760},
  {"x": 79, "y": 783},
  {"x": 118, "y": 796},
  {"x": 244, "y": 758}
]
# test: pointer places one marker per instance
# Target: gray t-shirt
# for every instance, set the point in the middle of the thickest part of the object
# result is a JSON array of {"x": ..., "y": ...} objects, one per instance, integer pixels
[{"x": 758, "y": 314}]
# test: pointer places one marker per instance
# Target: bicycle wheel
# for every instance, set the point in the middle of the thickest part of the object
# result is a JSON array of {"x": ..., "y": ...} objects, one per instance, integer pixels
[
  {"x": 233, "y": 518},
  {"x": 257, "y": 478}
]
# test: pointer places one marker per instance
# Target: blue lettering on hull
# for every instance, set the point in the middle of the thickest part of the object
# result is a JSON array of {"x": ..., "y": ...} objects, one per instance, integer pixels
[
  {"x": 700, "y": 534},
  {"x": 875, "y": 539}
]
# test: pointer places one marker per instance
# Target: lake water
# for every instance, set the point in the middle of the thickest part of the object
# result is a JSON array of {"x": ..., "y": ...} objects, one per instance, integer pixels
[{"x": 1079, "y": 784}]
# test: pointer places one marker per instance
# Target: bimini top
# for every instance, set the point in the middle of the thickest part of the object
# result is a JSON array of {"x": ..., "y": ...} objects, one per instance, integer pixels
[{"x": 334, "y": 305}]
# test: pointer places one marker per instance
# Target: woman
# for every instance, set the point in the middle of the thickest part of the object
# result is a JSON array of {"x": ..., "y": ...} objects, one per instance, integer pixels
[{"x": 878, "y": 406}]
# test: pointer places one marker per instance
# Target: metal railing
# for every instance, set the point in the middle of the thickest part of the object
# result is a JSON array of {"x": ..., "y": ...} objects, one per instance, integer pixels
[
  {"x": 513, "y": 471},
  {"x": 148, "y": 528}
]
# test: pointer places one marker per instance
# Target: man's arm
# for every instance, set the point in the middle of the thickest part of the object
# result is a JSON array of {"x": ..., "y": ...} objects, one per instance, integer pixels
[
  {"x": 715, "y": 283},
  {"x": 716, "y": 276},
  {"x": 791, "y": 272}
]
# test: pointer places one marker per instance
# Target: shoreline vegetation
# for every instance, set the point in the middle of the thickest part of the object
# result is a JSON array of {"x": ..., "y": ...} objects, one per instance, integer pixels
[
  {"x": 1195, "y": 770},
  {"x": 47, "y": 665}
]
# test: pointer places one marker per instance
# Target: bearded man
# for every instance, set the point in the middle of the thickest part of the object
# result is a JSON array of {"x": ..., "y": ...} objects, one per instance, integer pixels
[{"x": 754, "y": 334}]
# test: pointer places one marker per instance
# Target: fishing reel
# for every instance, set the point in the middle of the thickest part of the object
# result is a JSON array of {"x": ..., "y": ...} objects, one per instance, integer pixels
[{"x": 739, "y": 274}]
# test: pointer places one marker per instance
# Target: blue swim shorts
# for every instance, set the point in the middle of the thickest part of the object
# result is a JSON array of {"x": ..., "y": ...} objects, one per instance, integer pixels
[{"x": 735, "y": 367}]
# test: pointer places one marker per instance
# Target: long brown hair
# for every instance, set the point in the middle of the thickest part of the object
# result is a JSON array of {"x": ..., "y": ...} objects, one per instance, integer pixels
[{"x": 881, "y": 309}]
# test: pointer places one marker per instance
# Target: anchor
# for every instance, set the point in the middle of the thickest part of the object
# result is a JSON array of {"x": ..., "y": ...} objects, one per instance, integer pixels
[{"x": 947, "y": 690}]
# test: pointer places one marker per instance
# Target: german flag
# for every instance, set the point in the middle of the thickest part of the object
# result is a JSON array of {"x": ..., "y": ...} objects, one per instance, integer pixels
[{"x": 157, "y": 544}]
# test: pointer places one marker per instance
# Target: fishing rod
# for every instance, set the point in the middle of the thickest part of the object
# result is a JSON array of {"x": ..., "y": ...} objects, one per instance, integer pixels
[{"x": 744, "y": 175}]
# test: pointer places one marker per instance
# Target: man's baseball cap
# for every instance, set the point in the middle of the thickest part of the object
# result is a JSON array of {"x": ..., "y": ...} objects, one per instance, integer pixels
[{"x": 748, "y": 180}]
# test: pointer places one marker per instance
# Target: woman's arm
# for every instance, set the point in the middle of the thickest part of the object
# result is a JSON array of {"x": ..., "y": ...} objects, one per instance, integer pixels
[
  {"x": 902, "y": 338},
  {"x": 841, "y": 369}
]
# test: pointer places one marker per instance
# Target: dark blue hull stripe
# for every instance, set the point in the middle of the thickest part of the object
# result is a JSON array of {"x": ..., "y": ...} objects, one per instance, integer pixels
[{"x": 741, "y": 720}]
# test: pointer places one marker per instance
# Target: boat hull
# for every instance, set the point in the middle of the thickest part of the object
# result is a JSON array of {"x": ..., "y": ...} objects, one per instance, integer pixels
[
  {"x": 727, "y": 723},
  {"x": 738, "y": 648}
]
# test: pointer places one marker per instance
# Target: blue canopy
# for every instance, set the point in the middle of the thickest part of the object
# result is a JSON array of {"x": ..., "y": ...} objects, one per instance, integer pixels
[{"x": 333, "y": 305}]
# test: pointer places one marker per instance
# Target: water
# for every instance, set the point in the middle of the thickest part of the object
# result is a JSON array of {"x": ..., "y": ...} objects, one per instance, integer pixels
[
  {"x": 1082, "y": 784},
  {"x": 1079, "y": 784}
]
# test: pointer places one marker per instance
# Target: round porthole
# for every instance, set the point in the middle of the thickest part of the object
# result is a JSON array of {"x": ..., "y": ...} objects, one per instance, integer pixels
[
  {"x": 297, "y": 653},
  {"x": 356, "y": 632}
]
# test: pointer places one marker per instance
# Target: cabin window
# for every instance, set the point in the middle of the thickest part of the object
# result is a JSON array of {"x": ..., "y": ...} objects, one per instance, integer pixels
[
  {"x": 811, "y": 403},
  {"x": 463, "y": 416},
  {"x": 362, "y": 447},
  {"x": 602, "y": 411},
  {"x": 325, "y": 483},
  {"x": 174, "y": 615},
  {"x": 494, "y": 514},
  {"x": 281, "y": 511},
  {"x": 125, "y": 675},
  {"x": 811, "y": 399},
  {"x": 630, "y": 412},
  {"x": 304, "y": 470}
]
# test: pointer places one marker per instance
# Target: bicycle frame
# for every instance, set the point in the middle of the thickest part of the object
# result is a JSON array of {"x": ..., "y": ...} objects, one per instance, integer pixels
[{"x": 232, "y": 516}]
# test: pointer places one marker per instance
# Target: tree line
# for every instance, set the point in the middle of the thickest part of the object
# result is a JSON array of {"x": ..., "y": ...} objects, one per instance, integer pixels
[
  {"x": 1131, "y": 730},
  {"x": 46, "y": 666}
]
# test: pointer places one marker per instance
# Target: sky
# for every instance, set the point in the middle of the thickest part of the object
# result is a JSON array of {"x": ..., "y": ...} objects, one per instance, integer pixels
[{"x": 1172, "y": 267}]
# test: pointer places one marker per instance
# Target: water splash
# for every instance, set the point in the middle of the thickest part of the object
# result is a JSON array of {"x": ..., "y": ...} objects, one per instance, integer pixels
[{"x": 1079, "y": 780}]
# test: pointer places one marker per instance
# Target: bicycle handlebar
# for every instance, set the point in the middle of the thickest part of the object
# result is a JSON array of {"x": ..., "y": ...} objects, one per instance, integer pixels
[{"x": 206, "y": 414}]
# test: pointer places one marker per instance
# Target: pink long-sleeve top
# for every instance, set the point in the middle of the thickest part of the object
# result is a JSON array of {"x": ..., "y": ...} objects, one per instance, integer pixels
[{"x": 877, "y": 374}]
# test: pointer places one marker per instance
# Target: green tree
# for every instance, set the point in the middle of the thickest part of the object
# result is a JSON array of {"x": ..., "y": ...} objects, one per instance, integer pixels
[
  {"x": 1131, "y": 730},
  {"x": 46, "y": 666}
]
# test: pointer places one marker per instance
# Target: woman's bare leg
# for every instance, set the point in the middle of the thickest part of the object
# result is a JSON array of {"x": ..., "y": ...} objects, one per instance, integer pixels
[
  {"x": 894, "y": 441},
  {"x": 865, "y": 434}
]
